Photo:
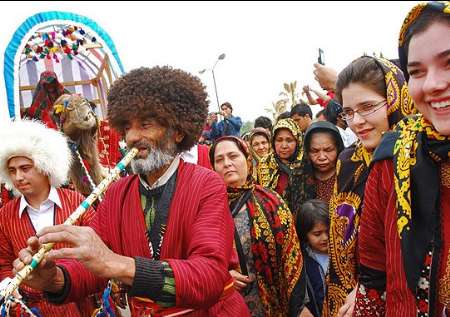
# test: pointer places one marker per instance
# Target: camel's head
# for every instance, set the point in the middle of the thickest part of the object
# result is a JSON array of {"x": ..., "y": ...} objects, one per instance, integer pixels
[{"x": 74, "y": 114}]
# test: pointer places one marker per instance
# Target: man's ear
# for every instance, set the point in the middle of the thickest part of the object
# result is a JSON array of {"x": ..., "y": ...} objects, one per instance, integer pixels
[{"x": 178, "y": 137}]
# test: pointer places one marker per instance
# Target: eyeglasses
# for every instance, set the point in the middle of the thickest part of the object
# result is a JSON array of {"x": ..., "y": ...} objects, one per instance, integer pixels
[{"x": 366, "y": 110}]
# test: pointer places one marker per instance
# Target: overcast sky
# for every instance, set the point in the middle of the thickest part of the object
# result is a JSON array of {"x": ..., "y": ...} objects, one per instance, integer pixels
[{"x": 266, "y": 44}]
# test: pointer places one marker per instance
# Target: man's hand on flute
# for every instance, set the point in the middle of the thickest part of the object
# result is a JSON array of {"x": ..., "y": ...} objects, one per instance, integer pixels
[
  {"x": 85, "y": 246},
  {"x": 46, "y": 276}
]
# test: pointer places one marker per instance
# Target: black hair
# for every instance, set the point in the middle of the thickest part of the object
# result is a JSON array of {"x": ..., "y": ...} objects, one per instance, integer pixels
[
  {"x": 320, "y": 113},
  {"x": 284, "y": 115},
  {"x": 228, "y": 105},
  {"x": 421, "y": 24},
  {"x": 263, "y": 122},
  {"x": 302, "y": 109},
  {"x": 311, "y": 212},
  {"x": 332, "y": 111}
]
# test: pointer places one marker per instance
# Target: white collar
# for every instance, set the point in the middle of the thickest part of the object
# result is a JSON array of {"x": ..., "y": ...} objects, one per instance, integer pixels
[
  {"x": 52, "y": 197},
  {"x": 164, "y": 177},
  {"x": 190, "y": 156}
]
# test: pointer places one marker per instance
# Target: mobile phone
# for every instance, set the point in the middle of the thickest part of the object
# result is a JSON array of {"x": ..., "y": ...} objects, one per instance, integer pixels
[{"x": 321, "y": 58}]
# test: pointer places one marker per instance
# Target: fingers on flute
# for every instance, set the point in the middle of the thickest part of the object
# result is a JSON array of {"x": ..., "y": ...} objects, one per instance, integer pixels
[
  {"x": 33, "y": 244},
  {"x": 64, "y": 253},
  {"x": 61, "y": 233}
]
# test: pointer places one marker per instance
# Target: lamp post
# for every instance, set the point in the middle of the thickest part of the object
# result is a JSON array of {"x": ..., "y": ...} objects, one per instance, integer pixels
[{"x": 221, "y": 56}]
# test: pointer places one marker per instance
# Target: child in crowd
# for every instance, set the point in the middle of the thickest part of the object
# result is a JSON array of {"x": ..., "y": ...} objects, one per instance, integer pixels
[{"x": 312, "y": 229}]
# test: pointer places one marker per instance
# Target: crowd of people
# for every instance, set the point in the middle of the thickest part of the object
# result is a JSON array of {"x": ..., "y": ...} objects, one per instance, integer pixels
[{"x": 344, "y": 214}]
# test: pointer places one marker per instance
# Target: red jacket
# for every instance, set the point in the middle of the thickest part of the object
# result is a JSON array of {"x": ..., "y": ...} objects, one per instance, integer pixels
[
  {"x": 14, "y": 233},
  {"x": 197, "y": 243},
  {"x": 379, "y": 248}
]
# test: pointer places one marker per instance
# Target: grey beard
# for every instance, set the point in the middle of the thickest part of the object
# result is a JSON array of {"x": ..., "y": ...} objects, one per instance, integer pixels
[{"x": 154, "y": 161}]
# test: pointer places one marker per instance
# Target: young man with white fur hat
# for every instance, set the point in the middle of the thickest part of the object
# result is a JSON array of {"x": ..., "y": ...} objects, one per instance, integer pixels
[{"x": 34, "y": 163}]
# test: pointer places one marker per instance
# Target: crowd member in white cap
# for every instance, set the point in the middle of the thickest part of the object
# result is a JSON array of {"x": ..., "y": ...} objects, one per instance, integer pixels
[{"x": 34, "y": 163}]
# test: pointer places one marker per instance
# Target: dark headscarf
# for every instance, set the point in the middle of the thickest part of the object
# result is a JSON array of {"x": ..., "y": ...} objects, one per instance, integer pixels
[
  {"x": 47, "y": 91},
  {"x": 417, "y": 150},
  {"x": 276, "y": 252},
  {"x": 323, "y": 126},
  {"x": 352, "y": 170}
]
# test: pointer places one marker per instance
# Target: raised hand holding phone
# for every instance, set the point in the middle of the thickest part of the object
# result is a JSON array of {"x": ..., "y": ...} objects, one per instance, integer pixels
[{"x": 321, "y": 58}]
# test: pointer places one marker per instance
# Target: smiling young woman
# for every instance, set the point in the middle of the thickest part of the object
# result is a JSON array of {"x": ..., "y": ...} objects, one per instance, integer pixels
[
  {"x": 406, "y": 216},
  {"x": 374, "y": 97}
]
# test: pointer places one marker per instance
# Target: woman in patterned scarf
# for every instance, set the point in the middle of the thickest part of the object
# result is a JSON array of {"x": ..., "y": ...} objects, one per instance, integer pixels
[
  {"x": 259, "y": 143},
  {"x": 270, "y": 260},
  {"x": 406, "y": 216},
  {"x": 374, "y": 97},
  {"x": 282, "y": 170}
]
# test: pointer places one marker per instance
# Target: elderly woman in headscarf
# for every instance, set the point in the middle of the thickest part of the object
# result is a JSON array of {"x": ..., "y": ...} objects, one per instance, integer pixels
[
  {"x": 282, "y": 170},
  {"x": 404, "y": 244},
  {"x": 270, "y": 259},
  {"x": 323, "y": 143},
  {"x": 374, "y": 97}
]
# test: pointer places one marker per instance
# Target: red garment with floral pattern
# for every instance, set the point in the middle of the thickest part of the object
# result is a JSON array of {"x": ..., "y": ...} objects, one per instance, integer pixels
[{"x": 380, "y": 253}]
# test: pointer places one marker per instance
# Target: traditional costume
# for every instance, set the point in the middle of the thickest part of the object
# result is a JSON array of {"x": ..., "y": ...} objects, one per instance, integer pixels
[
  {"x": 47, "y": 91},
  {"x": 404, "y": 242},
  {"x": 286, "y": 179},
  {"x": 352, "y": 170},
  {"x": 180, "y": 235},
  {"x": 267, "y": 246},
  {"x": 256, "y": 158},
  {"x": 50, "y": 154}
]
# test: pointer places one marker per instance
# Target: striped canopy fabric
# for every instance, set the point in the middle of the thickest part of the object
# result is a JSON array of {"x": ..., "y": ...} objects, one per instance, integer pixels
[{"x": 78, "y": 50}]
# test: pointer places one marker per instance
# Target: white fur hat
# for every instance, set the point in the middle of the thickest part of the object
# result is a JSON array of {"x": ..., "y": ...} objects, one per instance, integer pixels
[{"x": 47, "y": 148}]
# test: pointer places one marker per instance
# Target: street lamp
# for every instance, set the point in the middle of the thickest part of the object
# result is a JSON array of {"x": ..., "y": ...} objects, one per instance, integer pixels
[{"x": 221, "y": 56}]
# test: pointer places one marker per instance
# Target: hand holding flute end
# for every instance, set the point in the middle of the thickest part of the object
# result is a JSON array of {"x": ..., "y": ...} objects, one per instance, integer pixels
[{"x": 85, "y": 246}]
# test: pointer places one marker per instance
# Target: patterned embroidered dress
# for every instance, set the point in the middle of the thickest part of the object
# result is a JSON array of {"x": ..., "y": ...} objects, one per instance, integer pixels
[
  {"x": 251, "y": 294},
  {"x": 277, "y": 258},
  {"x": 352, "y": 170},
  {"x": 324, "y": 189},
  {"x": 405, "y": 270},
  {"x": 408, "y": 211},
  {"x": 270, "y": 246}
]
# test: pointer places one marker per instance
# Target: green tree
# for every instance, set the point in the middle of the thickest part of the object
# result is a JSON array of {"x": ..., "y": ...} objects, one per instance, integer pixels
[{"x": 246, "y": 127}]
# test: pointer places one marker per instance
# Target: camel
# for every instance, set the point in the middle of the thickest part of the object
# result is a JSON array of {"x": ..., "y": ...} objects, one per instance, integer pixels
[{"x": 75, "y": 117}]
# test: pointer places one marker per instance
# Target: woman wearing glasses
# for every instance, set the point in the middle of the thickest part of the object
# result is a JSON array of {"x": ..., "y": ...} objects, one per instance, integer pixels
[
  {"x": 374, "y": 97},
  {"x": 406, "y": 215},
  {"x": 270, "y": 260}
]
